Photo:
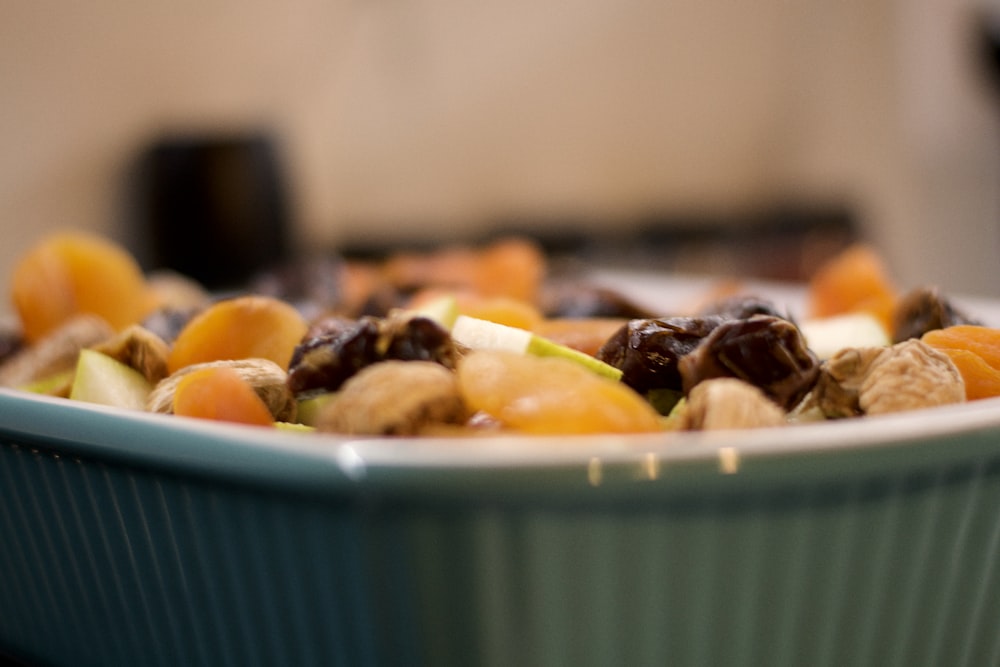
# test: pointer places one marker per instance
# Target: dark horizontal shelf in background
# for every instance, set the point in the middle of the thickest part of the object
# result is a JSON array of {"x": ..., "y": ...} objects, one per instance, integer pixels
[{"x": 783, "y": 243}]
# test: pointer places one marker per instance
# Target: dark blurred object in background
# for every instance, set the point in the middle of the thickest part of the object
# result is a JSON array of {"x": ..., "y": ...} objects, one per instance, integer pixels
[
  {"x": 212, "y": 207},
  {"x": 987, "y": 25}
]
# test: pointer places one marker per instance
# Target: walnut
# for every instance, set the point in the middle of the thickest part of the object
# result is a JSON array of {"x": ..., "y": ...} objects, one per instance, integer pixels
[
  {"x": 908, "y": 376},
  {"x": 724, "y": 403},
  {"x": 267, "y": 378},
  {"x": 395, "y": 398},
  {"x": 54, "y": 354},
  {"x": 141, "y": 349},
  {"x": 836, "y": 391},
  {"x": 879, "y": 380}
]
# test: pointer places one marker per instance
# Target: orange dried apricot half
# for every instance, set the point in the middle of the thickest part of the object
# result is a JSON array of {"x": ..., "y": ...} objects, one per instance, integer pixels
[
  {"x": 220, "y": 394},
  {"x": 586, "y": 334},
  {"x": 71, "y": 273},
  {"x": 512, "y": 267},
  {"x": 981, "y": 379},
  {"x": 500, "y": 309},
  {"x": 975, "y": 350},
  {"x": 984, "y": 341},
  {"x": 244, "y": 327},
  {"x": 855, "y": 280},
  {"x": 549, "y": 395}
]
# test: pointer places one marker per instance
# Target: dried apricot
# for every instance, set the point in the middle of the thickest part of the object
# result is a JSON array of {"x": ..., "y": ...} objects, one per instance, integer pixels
[
  {"x": 975, "y": 350},
  {"x": 219, "y": 393},
  {"x": 243, "y": 327},
  {"x": 852, "y": 281},
  {"x": 984, "y": 341},
  {"x": 71, "y": 273},
  {"x": 512, "y": 267},
  {"x": 500, "y": 309},
  {"x": 981, "y": 379},
  {"x": 586, "y": 334},
  {"x": 549, "y": 395}
]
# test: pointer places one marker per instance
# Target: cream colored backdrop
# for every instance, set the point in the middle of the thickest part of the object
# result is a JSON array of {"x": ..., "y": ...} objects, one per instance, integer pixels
[{"x": 447, "y": 114}]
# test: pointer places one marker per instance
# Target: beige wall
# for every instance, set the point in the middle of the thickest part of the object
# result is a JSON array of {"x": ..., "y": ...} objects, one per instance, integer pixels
[{"x": 452, "y": 113}]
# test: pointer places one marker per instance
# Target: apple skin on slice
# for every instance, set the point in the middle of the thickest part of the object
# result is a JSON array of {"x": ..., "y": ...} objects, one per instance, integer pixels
[
  {"x": 442, "y": 309},
  {"x": 101, "y": 379},
  {"x": 479, "y": 334},
  {"x": 309, "y": 408}
]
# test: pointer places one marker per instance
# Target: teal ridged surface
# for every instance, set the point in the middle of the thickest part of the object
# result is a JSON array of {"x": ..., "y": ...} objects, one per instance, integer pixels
[
  {"x": 880, "y": 571},
  {"x": 129, "y": 540},
  {"x": 101, "y": 565}
]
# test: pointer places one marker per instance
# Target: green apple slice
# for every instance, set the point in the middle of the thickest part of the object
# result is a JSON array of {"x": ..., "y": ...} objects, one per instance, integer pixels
[
  {"x": 49, "y": 384},
  {"x": 101, "y": 379},
  {"x": 294, "y": 427},
  {"x": 309, "y": 408},
  {"x": 443, "y": 310},
  {"x": 479, "y": 334}
]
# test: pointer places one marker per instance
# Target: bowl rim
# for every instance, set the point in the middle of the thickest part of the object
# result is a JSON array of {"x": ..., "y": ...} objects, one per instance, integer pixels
[
  {"x": 954, "y": 434},
  {"x": 327, "y": 461}
]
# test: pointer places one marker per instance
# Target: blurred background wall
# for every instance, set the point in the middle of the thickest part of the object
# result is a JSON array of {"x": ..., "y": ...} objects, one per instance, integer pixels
[{"x": 433, "y": 119}]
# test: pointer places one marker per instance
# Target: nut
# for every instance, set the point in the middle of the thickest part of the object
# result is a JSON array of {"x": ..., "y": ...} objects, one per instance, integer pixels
[
  {"x": 267, "y": 378},
  {"x": 728, "y": 403},
  {"x": 139, "y": 348},
  {"x": 395, "y": 398},
  {"x": 56, "y": 353},
  {"x": 879, "y": 380},
  {"x": 909, "y": 376},
  {"x": 836, "y": 391}
]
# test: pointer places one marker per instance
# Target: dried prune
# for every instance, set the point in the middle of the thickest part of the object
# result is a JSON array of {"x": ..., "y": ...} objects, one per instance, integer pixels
[
  {"x": 925, "y": 309},
  {"x": 768, "y": 352},
  {"x": 325, "y": 361},
  {"x": 576, "y": 300},
  {"x": 417, "y": 339},
  {"x": 336, "y": 349},
  {"x": 741, "y": 307},
  {"x": 647, "y": 351}
]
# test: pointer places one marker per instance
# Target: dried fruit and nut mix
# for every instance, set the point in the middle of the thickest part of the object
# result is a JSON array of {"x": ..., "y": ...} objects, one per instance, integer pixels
[{"x": 479, "y": 340}]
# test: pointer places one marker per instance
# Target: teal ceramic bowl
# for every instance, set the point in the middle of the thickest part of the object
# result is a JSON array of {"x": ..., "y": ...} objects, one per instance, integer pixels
[
  {"x": 133, "y": 539},
  {"x": 136, "y": 539}
]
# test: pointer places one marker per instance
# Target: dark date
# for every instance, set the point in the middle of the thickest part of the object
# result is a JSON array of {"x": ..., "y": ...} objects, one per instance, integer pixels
[
  {"x": 648, "y": 351},
  {"x": 925, "y": 309},
  {"x": 767, "y": 352},
  {"x": 336, "y": 349}
]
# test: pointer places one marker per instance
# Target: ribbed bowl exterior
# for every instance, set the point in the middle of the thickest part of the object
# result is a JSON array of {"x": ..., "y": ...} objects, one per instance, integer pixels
[
  {"x": 881, "y": 572},
  {"x": 884, "y": 557},
  {"x": 106, "y": 565}
]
